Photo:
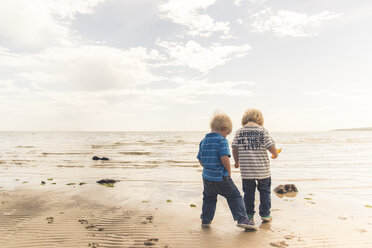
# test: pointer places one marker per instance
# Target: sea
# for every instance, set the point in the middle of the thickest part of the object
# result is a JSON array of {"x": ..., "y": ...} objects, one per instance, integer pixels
[{"x": 336, "y": 165}]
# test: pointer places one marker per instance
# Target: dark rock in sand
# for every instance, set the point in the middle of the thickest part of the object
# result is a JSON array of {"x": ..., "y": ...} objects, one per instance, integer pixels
[
  {"x": 93, "y": 245},
  {"x": 83, "y": 221},
  {"x": 148, "y": 243},
  {"x": 50, "y": 220},
  {"x": 151, "y": 241},
  {"x": 286, "y": 188},
  {"x": 98, "y": 158},
  {"x": 107, "y": 181}
]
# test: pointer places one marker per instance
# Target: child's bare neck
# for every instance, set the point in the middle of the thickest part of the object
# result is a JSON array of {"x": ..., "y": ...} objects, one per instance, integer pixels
[
  {"x": 216, "y": 131},
  {"x": 251, "y": 124}
]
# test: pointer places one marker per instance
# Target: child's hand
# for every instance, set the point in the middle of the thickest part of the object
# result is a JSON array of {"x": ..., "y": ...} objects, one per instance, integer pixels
[
  {"x": 237, "y": 165},
  {"x": 278, "y": 151}
]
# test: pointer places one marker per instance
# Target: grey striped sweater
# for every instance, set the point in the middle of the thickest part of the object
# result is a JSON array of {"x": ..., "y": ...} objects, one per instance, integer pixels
[{"x": 252, "y": 143}]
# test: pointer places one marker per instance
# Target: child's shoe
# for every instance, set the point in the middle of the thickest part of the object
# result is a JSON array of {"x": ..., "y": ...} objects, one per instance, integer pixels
[
  {"x": 206, "y": 223},
  {"x": 250, "y": 217},
  {"x": 246, "y": 223},
  {"x": 266, "y": 218}
]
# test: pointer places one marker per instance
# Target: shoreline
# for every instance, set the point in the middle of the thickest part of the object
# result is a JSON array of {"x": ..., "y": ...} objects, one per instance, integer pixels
[{"x": 131, "y": 215}]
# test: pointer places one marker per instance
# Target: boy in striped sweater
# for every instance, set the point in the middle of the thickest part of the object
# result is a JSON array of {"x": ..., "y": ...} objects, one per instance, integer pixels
[{"x": 249, "y": 148}]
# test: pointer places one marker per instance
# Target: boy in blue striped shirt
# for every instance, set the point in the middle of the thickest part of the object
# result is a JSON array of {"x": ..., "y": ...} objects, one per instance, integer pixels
[{"x": 214, "y": 156}]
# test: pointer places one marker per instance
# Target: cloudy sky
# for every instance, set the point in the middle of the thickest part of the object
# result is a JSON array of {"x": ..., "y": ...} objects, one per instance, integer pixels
[{"x": 117, "y": 65}]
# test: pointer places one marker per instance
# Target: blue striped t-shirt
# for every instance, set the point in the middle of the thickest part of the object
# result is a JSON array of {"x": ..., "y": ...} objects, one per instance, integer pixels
[{"x": 211, "y": 149}]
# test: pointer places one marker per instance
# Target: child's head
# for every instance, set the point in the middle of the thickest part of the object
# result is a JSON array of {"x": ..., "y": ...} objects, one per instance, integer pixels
[
  {"x": 253, "y": 115},
  {"x": 221, "y": 123}
]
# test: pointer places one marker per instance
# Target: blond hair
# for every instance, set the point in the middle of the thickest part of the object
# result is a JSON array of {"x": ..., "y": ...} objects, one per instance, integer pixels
[
  {"x": 253, "y": 115},
  {"x": 220, "y": 121}
]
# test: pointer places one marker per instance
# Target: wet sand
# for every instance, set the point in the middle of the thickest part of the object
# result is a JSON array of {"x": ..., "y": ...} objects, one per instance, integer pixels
[{"x": 145, "y": 214}]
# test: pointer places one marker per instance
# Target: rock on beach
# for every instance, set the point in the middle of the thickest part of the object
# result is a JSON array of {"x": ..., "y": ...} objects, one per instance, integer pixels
[{"x": 285, "y": 188}]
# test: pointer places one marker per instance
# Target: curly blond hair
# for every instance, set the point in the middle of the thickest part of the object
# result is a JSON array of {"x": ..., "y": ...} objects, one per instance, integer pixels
[
  {"x": 253, "y": 115},
  {"x": 220, "y": 121}
]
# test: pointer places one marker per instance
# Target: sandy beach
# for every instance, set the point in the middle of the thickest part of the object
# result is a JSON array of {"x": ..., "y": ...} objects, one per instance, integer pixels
[
  {"x": 92, "y": 215},
  {"x": 157, "y": 202}
]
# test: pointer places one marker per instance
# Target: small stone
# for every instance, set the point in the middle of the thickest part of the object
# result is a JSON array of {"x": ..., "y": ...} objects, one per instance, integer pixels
[
  {"x": 148, "y": 243},
  {"x": 91, "y": 227},
  {"x": 82, "y": 221},
  {"x": 96, "y": 158},
  {"x": 50, "y": 220},
  {"x": 151, "y": 241}
]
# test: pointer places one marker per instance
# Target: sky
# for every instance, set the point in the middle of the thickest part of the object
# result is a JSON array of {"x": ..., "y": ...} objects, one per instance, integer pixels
[{"x": 168, "y": 65}]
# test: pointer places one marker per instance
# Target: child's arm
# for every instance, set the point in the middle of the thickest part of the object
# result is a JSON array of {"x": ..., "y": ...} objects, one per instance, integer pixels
[
  {"x": 226, "y": 163},
  {"x": 200, "y": 163},
  {"x": 236, "y": 157},
  {"x": 273, "y": 151}
]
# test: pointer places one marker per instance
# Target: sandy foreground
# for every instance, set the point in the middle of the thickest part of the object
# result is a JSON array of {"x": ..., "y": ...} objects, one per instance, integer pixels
[{"x": 145, "y": 214}]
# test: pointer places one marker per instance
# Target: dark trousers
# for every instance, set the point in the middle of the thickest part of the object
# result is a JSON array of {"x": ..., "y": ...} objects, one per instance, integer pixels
[
  {"x": 264, "y": 187},
  {"x": 227, "y": 189}
]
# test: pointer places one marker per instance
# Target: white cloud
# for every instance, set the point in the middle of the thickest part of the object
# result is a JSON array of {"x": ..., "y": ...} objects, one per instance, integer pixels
[
  {"x": 193, "y": 87},
  {"x": 85, "y": 67},
  {"x": 188, "y": 13},
  {"x": 186, "y": 91},
  {"x": 238, "y": 2},
  {"x": 288, "y": 23},
  {"x": 38, "y": 24},
  {"x": 257, "y": 1},
  {"x": 195, "y": 56},
  {"x": 69, "y": 8}
]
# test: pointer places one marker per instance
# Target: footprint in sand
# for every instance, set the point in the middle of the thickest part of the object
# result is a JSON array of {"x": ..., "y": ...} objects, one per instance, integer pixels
[
  {"x": 289, "y": 236},
  {"x": 279, "y": 244},
  {"x": 148, "y": 219},
  {"x": 95, "y": 228}
]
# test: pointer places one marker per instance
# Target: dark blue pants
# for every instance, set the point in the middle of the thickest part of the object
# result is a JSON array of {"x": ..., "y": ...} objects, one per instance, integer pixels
[
  {"x": 227, "y": 189},
  {"x": 264, "y": 187}
]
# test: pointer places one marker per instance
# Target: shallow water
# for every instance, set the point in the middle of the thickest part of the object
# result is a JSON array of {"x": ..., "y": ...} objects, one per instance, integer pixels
[{"x": 336, "y": 164}]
